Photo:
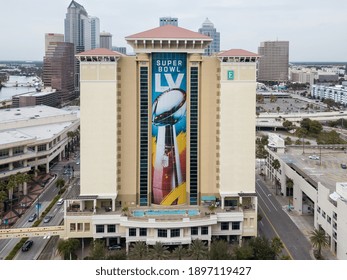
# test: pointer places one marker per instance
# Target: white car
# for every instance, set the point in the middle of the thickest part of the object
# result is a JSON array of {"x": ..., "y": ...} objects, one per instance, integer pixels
[
  {"x": 314, "y": 157},
  {"x": 60, "y": 201}
]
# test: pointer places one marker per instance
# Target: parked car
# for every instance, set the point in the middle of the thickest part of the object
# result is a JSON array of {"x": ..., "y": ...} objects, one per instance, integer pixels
[
  {"x": 60, "y": 201},
  {"x": 47, "y": 219},
  {"x": 314, "y": 157},
  {"x": 343, "y": 166},
  {"x": 32, "y": 217},
  {"x": 114, "y": 247},
  {"x": 27, "y": 245}
]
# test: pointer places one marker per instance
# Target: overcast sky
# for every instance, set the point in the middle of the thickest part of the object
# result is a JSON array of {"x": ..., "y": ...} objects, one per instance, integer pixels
[{"x": 315, "y": 29}]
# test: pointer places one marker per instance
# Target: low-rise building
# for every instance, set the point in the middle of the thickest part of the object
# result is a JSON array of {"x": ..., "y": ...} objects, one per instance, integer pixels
[
  {"x": 33, "y": 136},
  {"x": 313, "y": 179}
]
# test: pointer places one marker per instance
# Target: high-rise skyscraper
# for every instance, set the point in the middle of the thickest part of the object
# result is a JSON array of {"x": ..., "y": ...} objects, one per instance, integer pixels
[
  {"x": 172, "y": 142},
  {"x": 168, "y": 20},
  {"x": 81, "y": 30},
  {"x": 273, "y": 63},
  {"x": 53, "y": 37},
  {"x": 58, "y": 67},
  {"x": 208, "y": 29},
  {"x": 106, "y": 40}
]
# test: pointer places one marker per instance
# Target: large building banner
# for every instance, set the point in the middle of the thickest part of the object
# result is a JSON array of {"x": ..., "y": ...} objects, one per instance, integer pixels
[{"x": 169, "y": 123}]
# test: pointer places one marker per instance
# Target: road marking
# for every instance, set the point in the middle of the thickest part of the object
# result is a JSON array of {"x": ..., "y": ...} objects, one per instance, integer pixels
[
  {"x": 284, "y": 245},
  {"x": 267, "y": 195},
  {"x": 265, "y": 203}
]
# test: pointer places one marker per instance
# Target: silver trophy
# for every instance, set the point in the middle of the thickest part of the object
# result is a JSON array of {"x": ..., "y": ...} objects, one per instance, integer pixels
[{"x": 168, "y": 109}]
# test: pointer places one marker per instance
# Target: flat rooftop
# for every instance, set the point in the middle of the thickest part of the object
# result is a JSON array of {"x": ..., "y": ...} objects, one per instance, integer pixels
[
  {"x": 27, "y": 113},
  {"x": 326, "y": 170}
]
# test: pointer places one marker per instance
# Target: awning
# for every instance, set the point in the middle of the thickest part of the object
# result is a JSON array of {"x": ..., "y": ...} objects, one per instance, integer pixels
[
  {"x": 208, "y": 198},
  {"x": 334, "y": 196}
]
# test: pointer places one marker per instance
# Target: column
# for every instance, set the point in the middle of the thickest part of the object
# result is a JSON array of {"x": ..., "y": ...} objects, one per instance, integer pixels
[{"x": 113, "y": 204}]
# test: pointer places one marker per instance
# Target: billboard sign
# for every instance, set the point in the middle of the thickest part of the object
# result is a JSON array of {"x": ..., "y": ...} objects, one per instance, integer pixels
[{"x": 169, "y": 106}]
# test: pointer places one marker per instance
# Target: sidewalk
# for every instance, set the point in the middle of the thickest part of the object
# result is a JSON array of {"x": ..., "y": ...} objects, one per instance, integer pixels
[{"x": 303, "y": 222}]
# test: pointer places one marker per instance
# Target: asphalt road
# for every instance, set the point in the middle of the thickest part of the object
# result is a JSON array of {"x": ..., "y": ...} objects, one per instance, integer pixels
[
  {"x": 6, "y": 245},
  {"x": 275, "y": 222}
]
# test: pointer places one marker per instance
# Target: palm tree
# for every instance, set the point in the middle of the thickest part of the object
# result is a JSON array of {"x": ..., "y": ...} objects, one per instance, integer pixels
[
  {"x": 67, "y": 248},
  {"x": 198, "y": 250},
  {"x": 139, "y": 251},
  {"x": 319, "y": 240},
  {"x": 159, "y": 252},
  {"x": 179, "y": 252},
  {"x": 60, "y": 183}
]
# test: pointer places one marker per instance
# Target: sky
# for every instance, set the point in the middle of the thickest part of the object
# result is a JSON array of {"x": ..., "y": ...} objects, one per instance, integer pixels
[{"x": 315, "y": 29}]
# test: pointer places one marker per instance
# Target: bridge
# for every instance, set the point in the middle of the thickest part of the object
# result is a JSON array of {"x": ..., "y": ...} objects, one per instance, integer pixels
[
  {"x": 32, "y": 232},
  {"x": 275, "y": 120}
]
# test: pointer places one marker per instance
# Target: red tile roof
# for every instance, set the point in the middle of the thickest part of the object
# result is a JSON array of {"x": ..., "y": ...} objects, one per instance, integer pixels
[
  {"x": 169, "y": 31},
  {"x": 100, "y": 51},
  {"x": 237, "y": 52}
]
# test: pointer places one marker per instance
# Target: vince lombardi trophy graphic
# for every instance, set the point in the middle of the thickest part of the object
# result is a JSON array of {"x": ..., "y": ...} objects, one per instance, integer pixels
[{"x": 168, "y": 109}]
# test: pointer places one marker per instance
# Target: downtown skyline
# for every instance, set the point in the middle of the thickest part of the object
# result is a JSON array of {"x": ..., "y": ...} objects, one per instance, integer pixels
[{"x": 313, "y": 29}]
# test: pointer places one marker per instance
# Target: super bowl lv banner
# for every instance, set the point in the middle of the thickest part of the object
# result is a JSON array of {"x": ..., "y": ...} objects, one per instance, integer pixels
[{"x": 169, "y": 106}]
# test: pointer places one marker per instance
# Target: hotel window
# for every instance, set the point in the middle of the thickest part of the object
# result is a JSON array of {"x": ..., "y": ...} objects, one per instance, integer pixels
[
  {"x": 18, "y": 150},
  {"x": 334, "y": 216},
  {"x": 143, "y": 232},
  {"x": 204, "y": 230},
  {"x": 194, "y": 134},
  {"x": 72, "y": 227},
  {"x": 318, "y": 209},
  {"x": 224, "y": 226},
  {"x": 100, "y": 228},
  {"x": 111, "y": 228},
  {"x": 323, "y": 214},
  {"x": 235, "y": 225},
  {"x": 162, "y": 232},
  {"x": 175, "y": 232},
  {"x": 329, "y": 219},
  {"x": 86, "y": 226},
  {"x": 194, "y": 231},
  {"x": 80, "y": 227},
  {"x": 41, "y": 148},
  {"x": 132, "y": 231},
  {"x": 4, "y": 153},
  {"x": 143, "y": 136}
]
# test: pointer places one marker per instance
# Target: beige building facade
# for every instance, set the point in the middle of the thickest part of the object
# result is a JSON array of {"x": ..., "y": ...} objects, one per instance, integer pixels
[{"x": 165, "y": 134}]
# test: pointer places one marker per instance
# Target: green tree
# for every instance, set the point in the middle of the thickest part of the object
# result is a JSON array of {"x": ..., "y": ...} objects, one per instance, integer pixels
[
  {"x": 262, "y": 249},
  {"x": 117, "y": 255},
  {"x": 276, "y": 164},
  {"x": 288, "y": 125},
  {"x": 198, "y": 250},
  {"x": 159, "y": 252},
  {"x": 319, "y": 240},
  {"x": 67, "y": 248},
  {"x": 98, "y": 251},
  {"x": 219, "y": 250},
  {"x": 60, "y": 183},
  {"x": 138, "y": 251},
  {"x": 276, "y": 246},
  {"x": 245, "y": 252},
  {"x": 179, "y": 252}
]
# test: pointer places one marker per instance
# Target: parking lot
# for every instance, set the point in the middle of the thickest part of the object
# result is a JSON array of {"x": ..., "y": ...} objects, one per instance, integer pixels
[{"x": 288, "y": 105}]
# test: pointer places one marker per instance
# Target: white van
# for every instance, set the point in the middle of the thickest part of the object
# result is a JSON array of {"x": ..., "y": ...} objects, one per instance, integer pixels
[{"x": 60, "y": 201}]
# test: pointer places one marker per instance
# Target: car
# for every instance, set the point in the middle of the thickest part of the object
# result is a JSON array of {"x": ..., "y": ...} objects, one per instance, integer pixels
[
  {"x": 114, "y": 247},
  {"x": 27, "y": 245},
  {"x": 60, "y": 201},
  {"x": 343, "y": 166},
  {"x": 32, "y": 217},
  {"x": 77, "y": 162},
  {"x": 47, "y": 219},
  {"x": 314, "y": 157}
]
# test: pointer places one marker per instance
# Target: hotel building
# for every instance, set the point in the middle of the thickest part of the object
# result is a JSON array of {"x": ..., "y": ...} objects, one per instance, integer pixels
[{"x": 165, "y": 134}]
